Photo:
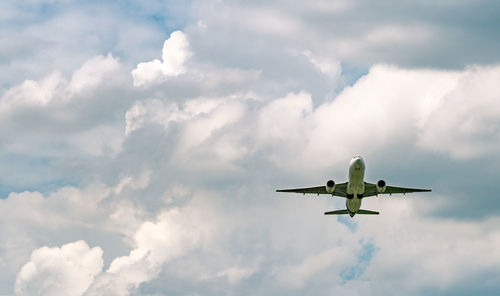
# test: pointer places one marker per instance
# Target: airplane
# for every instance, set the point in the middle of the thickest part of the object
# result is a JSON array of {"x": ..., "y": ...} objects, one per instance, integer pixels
[{"x": 354, "y": 190}]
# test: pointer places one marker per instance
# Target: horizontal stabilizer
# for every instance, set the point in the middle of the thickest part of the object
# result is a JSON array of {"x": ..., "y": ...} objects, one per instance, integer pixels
[
  {"x": 366, "y": 212},
  {"x": 338, "y": 212}
]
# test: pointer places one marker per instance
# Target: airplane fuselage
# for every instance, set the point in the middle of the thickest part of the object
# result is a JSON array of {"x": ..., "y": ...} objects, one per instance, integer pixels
[{"x": 355, "y": 185}]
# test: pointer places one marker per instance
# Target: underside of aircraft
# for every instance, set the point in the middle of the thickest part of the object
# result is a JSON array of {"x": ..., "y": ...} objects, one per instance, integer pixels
[{"x": 354, "y": 190}]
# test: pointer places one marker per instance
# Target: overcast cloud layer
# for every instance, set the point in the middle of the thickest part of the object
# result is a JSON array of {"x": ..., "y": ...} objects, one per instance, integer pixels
[{"x": 142, "y": 143}]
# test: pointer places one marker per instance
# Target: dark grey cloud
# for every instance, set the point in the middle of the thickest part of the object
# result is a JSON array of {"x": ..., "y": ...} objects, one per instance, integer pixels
[{"x": 411, "y": 33}]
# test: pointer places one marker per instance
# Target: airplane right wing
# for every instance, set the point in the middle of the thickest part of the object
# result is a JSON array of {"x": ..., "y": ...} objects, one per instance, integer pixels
[
  {"x": 371, "y": 190},
  {"x": 339, "y": 190}
]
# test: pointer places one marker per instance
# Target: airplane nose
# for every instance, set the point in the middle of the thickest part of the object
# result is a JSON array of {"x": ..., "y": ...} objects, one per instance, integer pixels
[{"x": 358, "y": 162}]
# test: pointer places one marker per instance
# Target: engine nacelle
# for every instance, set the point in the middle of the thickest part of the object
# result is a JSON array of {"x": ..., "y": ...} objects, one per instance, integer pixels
[
  {"x": 330, "y": 186},
  {"x": 381, "y": 186}
]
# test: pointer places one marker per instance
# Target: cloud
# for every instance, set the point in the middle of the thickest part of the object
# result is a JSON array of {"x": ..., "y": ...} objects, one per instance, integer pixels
[
  {"x": 177, "y": 232},
  {"x": 95, "y": 214},
  {"x": 299, "y": 275},
  {"x": 93, "y": 72},
  {"x": 437, "y": 110},
  {"x": 76, "y": 269},
  {"x": 141, "y": 182},
  {"x": 163, "y": 113},
  {"x": 235, "y": 274},
  {"x": 174, "y": 178},
  {"x": 324, "y": 64},
  {"x": 283, "y": 122},
  {"x": 30, "y": 91},
  {"x": 290, "y": 127},
  {"x": 387, "y": 94},
  {"x": 54, "y": 88},
  {"x": 205, "y": 129},
  {"x": 41, "y": 36},
  {"x": 200, "y": 129},
  {"x": 68, "y": 270},
  {"x": 465, "y": 122},
  {"x": 438, "y": 255},
  {"x": 175, "y": 53},
  {"x": 60, "y": 116},
  {"x": 360, "y": 33},
  {"x": 206, "y": 230}
]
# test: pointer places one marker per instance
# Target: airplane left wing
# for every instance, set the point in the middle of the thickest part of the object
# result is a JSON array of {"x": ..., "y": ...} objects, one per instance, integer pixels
[
  {"x": 339, "y": 190},
  {"x": 371, "y": 190}
]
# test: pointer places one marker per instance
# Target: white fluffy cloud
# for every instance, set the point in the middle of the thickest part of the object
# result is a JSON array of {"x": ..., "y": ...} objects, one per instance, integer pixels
[
  {"x": 437, "y": 248},
  {"x": 68, "y": 270},
  {"x": 30, "y": 219},
  {"x": 440, "y": 110},
  {"x": 433, "y": 109},
  {"x": 94, "y": 72},
  {"x": 54, "y": 88},
  {"x": 71, "y": 269},
  {"x": 164, "y": 113},
  {"x": 174, "y": 179},
  {"x": 60, "y": 113},
  {"x": 209, "y": 134},
  {"x": 41, "y": 92},
  {"x": 177, "y": 232},
  {"x": 175, "y": 53},
  {"x": 465, "y": 121}
]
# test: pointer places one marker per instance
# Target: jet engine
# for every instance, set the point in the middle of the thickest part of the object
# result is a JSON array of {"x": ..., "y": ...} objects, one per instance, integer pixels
[
  {"x": 381, "y": 186},
  {"x": 330, "y": 186}
]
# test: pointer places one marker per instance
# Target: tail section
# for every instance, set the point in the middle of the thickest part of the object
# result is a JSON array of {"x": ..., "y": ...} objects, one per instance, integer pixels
[
  {"x": 359, "y": 212},
  {"x": 338, "y": 212},
  {"x": 366, "y": 212}
]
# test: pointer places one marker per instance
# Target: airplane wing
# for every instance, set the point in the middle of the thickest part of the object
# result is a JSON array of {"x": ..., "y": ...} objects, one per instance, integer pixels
[
  {"x": 339, "y": 190},
  {"x": 371, "y": 190}
]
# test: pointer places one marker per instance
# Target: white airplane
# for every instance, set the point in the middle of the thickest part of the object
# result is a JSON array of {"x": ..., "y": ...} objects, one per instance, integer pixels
[{"x": 354, "y": 190}]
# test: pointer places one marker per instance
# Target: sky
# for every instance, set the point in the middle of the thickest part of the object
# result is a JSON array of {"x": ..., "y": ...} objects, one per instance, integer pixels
[{"x": 141, "y": 144}]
